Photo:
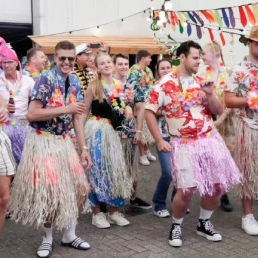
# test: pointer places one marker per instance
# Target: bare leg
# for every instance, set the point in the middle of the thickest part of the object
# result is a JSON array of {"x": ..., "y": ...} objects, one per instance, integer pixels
[
  {"x": 247, "y": 205},
  {"x": 181, "y": 202},
  {"x": 5, "y": 182}
]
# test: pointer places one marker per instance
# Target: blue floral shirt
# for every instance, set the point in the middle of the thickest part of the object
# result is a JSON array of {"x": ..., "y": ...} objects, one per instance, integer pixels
[{"x": 50, "y": 89}]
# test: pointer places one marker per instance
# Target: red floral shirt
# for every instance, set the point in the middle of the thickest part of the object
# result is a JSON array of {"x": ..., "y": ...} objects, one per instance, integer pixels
[{"x": 187, "y": 111}]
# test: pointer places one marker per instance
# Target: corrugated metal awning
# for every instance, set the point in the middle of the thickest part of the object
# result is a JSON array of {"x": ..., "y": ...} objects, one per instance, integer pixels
[{"x": 115, "y": 44}]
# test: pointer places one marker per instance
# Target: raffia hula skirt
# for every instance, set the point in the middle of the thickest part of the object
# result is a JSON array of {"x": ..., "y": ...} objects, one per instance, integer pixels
[
  {"x": 109, "y": 177},
  {"x": 147, "y": 137},
  {"x": 203, "y": 162},
  {"x": 17, "y": 131},
  {"x": 50, "y": 184},
  {"x": 245, "y": 154}
]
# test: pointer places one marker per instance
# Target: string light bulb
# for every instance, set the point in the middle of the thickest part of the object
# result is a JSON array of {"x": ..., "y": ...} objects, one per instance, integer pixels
[
  {"x": 162, "y": 14},
  {"x": 168, "y": 5}
]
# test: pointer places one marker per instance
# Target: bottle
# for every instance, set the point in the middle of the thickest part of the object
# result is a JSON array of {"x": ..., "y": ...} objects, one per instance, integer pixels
[{"x": 11, "y": 100}]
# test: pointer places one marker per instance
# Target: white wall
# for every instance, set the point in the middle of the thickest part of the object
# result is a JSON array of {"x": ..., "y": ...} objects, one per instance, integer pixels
[
  {"x": 15, "y": 11},
  {"x": 83, "y": 16}
]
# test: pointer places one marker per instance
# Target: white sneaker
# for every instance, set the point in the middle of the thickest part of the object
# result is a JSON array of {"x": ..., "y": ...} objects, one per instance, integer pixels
[
  {"x": 100, "y": 221},
  {"x": 144, "y": 161},
  {"x": 150, "y": 156},
  {"x": 118, "y": 219},
  {"x": 162, "y": 213},
  {"x": 250, "y": 225}
]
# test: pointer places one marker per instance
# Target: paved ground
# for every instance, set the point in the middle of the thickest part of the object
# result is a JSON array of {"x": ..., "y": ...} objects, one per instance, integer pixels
[{"x": 147, "y": 236}]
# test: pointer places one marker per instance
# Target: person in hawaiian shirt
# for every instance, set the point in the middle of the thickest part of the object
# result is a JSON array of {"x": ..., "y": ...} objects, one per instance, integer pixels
[
  {"x": 140, "y": 81},
  {"x": 242, "y": 94},
  {"x": 188, "y": 102},
  {"x": 50, "y": 187}
]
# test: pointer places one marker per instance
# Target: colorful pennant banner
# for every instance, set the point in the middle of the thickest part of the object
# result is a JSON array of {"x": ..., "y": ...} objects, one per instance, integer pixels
[{"x": 217, "y": 19}]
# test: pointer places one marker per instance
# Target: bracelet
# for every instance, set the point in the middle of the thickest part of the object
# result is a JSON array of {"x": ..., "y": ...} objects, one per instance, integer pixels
[
  {"x": 85, "y": 147},
  {"x": 138, "y": 131}
]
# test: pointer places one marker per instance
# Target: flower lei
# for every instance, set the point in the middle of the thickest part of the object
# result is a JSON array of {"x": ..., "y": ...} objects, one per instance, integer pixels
[
  {"x": 34, "y": 74},
  {"x": 108, "y": 92},
  {"x": 252, "y": 95},
  {"x": 16, "y": 90}
]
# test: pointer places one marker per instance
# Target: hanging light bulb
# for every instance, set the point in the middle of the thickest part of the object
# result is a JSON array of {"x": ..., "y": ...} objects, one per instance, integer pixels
[
  {"x": 162, "y": 14},
  {"x": 148, "y": 19},
  {"x": 168, "y": 5}
]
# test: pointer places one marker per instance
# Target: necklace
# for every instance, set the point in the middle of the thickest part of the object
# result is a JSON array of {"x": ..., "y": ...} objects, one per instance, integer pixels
[
  {"x": 16, "y": 86},
  {"x": 108, "y": 92},
  {"x": 33, "y": 73}
]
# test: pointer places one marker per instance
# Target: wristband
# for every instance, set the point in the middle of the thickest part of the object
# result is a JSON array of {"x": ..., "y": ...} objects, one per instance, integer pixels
[
  {"x": 85, "y": 147},
  {"x": 138, "y": 131}
]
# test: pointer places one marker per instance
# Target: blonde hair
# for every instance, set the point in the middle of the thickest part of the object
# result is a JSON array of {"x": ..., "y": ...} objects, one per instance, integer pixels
[
  {"x": 97, "y": 87},
  {"x": 216, "y": 49}
]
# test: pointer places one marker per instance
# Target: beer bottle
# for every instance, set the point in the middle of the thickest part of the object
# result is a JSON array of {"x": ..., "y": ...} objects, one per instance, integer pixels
[{"x": 11, "y": 100}]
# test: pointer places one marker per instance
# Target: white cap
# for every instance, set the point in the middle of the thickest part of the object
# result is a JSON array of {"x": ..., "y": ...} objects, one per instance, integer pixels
[{"x": 82, "y": 49}]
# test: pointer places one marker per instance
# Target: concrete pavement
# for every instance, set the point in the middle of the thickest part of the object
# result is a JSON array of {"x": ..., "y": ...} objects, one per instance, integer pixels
[{"x": 147, "y": 236}]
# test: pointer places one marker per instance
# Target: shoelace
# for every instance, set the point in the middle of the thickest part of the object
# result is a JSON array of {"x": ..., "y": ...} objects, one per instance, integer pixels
[
  {"x": 209, "y": 227},
  {"x": 176, "y": 232}
]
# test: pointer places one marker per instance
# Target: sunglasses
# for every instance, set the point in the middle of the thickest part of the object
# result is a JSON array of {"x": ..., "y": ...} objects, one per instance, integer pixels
[{"x": 63, "y": 58}]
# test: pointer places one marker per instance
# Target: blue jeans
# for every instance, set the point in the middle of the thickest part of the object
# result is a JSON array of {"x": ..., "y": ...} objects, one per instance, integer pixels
[{"x": 160, "y": 195}]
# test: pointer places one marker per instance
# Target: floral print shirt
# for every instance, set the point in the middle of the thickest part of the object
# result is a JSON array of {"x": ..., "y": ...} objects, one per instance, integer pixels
[
  {"x": 187, "y": 111},
  {"x": 51, "y": 90},
  {"x": 241, "y": 81},
  {"x": 139, "y": 82}
]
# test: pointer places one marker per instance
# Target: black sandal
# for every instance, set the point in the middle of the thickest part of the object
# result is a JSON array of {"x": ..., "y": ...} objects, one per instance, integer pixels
[
  {"x": 45, "y": 247},
  {"x": 77, "y": 244}
]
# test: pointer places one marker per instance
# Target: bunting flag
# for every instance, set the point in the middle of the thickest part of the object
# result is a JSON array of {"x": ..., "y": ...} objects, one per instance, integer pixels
[
  {"x": 208, "y": 16},
  {"x": 172, "y": 21},
  {"x": 211, "y": 34},
  {"x": 180, "y": 17},
  {"x": 181, "y": 28},
  {"x": 250, "y": 15},
  {"x": 242, "y": 16},
  {"x": 231, "y": 42},
  {"x": 198, "y": 32},
  {"x": 225, "y": 17},
  {"x": 218, "y": 17},
  {"x": 198, "y": 18},
  {"x": 231, "y": 17},
  {"x": 189, "y": 29},
  {"x": 223, "y": 41},
  {"x": 192, "y": 17},
  {"x": 255, "y": 9}
]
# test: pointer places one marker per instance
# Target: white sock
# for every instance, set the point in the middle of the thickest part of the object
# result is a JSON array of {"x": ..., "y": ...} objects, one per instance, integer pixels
[
  {"x": 177, "y": 221},
  {"x": 69, "y": 233},
  {"x": 205, "y": 214},
  {"x": 48, "y": 238}
]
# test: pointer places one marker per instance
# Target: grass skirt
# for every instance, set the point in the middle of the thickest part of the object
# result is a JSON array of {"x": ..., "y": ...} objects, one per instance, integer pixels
[
  {"x": 17, "y": 131},
  {"x": 208, "y": 160},
  {"x": 245, "y": 155},
  {"x": 50, "y": 184},
  {"x": 109, "y": 176},
  {"x": 147, "y": 137},
  {"x": 131, "y": 157}
]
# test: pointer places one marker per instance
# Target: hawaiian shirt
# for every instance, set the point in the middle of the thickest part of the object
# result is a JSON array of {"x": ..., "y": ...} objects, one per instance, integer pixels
[
  {"x": 50, "y": 89},
  {"x": 139, "y": 82},
  {"x": 187, "y": 111},
  {"x": 244, "y": 75}
]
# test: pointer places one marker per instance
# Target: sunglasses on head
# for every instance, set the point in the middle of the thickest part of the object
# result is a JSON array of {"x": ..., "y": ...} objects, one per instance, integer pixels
[{"x": 63, "y": 58}]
